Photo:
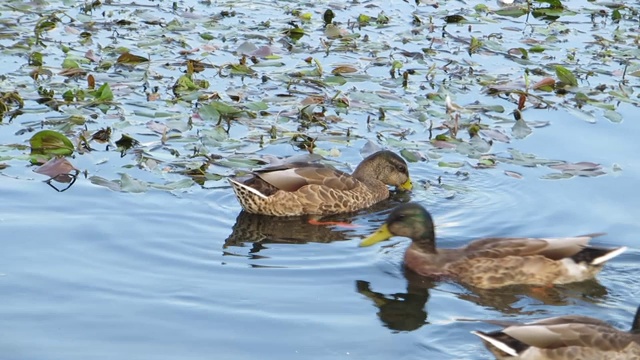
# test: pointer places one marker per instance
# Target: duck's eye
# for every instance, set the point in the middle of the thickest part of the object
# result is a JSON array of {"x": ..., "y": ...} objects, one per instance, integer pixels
[{"x": 402, "y": 169}]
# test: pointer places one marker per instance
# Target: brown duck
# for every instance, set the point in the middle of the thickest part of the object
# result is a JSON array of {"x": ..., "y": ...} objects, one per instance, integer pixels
[
  {"x": 297, "y": 188},
  {"x": 493, "y": 262},
  {"x": 564, "y": 338}
]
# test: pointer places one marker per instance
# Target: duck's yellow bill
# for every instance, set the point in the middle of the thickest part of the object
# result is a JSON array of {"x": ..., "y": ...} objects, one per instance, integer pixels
[
  {"x": 380, "y": 235},
  {"x": 407, "y": 185}
]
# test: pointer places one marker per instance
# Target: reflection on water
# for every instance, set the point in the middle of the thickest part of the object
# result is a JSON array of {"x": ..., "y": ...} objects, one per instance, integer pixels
[
  {"x": 400, "y": 311},
  {"x": 407, "y": 311},
  {"x": 263, "y": 229},
  {"x": 505, "y": 299}
]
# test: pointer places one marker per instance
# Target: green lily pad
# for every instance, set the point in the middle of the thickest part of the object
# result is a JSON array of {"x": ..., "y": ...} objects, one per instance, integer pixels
[{"x": 49, "y": 142}]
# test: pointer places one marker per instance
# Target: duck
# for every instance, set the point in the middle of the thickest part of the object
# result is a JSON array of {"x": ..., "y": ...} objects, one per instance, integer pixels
[
  {"x": 571, "y": 337},
  {"x": 303, "y": 188},
  {"x": 491, "y": 263}
]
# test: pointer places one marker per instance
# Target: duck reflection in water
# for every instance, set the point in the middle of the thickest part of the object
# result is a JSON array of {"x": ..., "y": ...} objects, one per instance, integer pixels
[
  {"x": 401, "y": 311},
  {"x": 407, "y": 311},
  {"x": 263, "y": 229}
]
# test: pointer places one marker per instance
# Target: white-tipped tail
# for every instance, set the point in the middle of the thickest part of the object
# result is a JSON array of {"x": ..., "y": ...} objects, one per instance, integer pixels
[
  {"x": 608, "y": 256},
  {"x": 497, "y": 344},
  {"x": 236, "y": 184}
]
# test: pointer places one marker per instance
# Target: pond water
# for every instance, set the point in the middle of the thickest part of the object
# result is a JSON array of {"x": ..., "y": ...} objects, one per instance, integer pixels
[{"x": 92, "y": 273}]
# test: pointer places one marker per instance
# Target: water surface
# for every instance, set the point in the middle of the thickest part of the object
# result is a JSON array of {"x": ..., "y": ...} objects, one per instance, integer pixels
[{"x": 91, "y": 273}]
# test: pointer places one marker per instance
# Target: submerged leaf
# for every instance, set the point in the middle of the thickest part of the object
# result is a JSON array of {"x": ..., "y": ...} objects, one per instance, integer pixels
[{"x": 129, "y": 184}]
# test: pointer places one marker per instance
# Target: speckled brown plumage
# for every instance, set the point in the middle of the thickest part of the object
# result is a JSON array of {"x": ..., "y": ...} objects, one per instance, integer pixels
[
  {"x": 314, "y": 189},
  {"x": 493, "y": 262},
  {"x": 564, "y": 338}
]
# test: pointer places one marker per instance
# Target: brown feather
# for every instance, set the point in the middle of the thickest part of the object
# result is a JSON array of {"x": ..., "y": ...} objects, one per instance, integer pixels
[
  {"x": 493, "y": 262},
  {"x": 295, "y": 188},
  {"x": 564, "y": 338}
]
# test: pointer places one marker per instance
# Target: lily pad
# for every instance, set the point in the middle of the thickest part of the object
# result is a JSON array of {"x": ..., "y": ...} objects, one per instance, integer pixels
[{"x": 49, "y": 142}]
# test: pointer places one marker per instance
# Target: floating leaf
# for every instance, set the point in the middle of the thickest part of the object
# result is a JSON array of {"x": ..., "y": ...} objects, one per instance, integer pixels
[
  {"x": 613, "y": 116},
  {"x": 513, "y": 174},
  {"x": 109, "y": 184},
  {"x": 546, "y": 84},
  {"x": 176, "y": 185},
  {"x": 412, "y": 156},
  {"x": 129, "y": 184},
  {"x": 453, "y": 19},
  {"x": 126, "y": 142},
  {"x": 520, "y": 129},
  {"x": 56, "y": 166},
  {"x": 475, "y": 45},
  {"x": 536, "y": 49},
  {"x": 364, "y": 19},
  {"x": 103, "y": 93},
  {"x": 566, "y": 76},
  {"x": 579, "y": 166},
  {"x": 343, "y": 69},
  {"x": 128, "y": 58},
  {"x": 49, "y": 142},
  {"x": 556, "y": 176},
  {"x": 452, "y": 164},
  {"x": 70, "y": 64},
  {"x": 554, "y": 4},
  {"x": 241, "y": 69}
]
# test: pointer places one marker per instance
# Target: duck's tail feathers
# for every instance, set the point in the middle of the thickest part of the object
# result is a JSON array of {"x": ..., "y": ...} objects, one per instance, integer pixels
[
  {"x": 635, "y": 325},
  {"x": 240, "y": 187},
  {"x": 597, "y": 256},
  {"x": 496, "y": 343}
]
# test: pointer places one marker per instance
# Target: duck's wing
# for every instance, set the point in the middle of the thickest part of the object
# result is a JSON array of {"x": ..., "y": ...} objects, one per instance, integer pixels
[
  {"x": 552, "y": 248},
  {"x": 291, "y": 177},
  {"x": 604, "y": 338}
]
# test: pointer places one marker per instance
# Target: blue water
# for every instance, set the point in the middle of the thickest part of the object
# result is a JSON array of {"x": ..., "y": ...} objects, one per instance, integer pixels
[{"x": 90, "y": 273}]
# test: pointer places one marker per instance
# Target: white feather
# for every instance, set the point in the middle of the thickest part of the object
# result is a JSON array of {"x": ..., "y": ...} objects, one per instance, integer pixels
[
  {"x": 608, "y": 256},
  {"x": 250, "y": 189},
  {"x": 498, "y": 344},
  {"x": 575, "y": 270}
]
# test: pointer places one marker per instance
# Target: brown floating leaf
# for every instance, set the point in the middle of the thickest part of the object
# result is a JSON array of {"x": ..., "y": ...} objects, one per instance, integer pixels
[
  {"x": 128, "y": 58},
  {"x": 56, "y": 166},
  {"x": 344, "y": 69},
  {"x": 73, "y": 72},
  {"x": 544, "y": 84},
  {"x": 91, "y": 82},
  {"x": 102, "y": 135},
  {"x": 521, "y": 101},
  {"x": 313, "y": 99},
  {"x": 91, "y": 56}
]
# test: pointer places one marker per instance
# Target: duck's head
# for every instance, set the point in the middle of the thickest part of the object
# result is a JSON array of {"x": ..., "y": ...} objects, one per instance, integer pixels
[
  {"x": 387, "y": 167},
  {"x": 409, "y": 220}
]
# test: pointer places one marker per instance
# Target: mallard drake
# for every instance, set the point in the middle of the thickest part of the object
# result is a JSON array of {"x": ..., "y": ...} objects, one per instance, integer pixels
[
  {"x": 297, "y": 188},
  {"x": 564, "y": 338},
  {"x": 493, "y": 262}
]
